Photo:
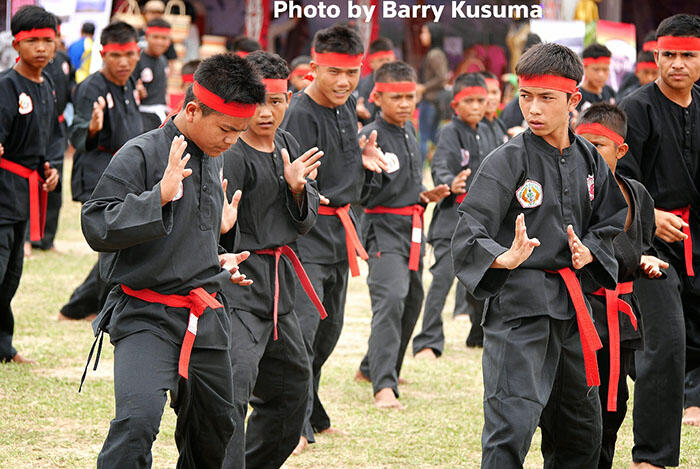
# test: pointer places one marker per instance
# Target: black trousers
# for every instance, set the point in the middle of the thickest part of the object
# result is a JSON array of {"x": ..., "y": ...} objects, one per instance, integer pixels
[
  {"x": 397, "y": 295},
  {"x": 273, "y": 376},
  {"x": 534, "y": 375},
  {"x": 145, "y": 368},
  {"x": 11, "y": 263},
  {"x": 320, "y": 336},
  {"x": 89, "y": 297}
]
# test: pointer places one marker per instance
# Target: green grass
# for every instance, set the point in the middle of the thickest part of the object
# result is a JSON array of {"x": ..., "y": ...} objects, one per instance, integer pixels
[{"x": 46, "y": 423}]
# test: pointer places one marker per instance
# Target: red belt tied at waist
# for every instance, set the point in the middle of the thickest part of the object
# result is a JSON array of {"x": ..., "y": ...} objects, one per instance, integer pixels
[
  {"x": 196, "y": 301},
  {"x": 37, "y": 197},
  {"x": 460, "y": 198},
  {"x": 303, "y": 278},
  {"x": 415, "y": 211},
  {"x": 352, "y": 241},
  {"x": 590, "y": 341},
  {"x": 613, "y": 304},
  {"x": 684, "y": 213}
]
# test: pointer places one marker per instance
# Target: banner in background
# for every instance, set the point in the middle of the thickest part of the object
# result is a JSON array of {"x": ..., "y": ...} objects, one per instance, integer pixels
[
  {"x": 257, "y": 20},
  {"x": 620, "y": 38},
  {"x": 566, "y": 33}
]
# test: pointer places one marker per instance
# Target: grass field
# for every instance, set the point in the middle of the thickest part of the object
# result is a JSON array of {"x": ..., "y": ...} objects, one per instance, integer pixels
[{"x": 47, "y": 424}]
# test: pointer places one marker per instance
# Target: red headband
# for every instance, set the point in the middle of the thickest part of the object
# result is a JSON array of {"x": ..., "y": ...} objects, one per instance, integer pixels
[
  {"x": 233, "y": 109},
  {"x": 678, "y": 43},
  {"x": 336, "y": 59},
  {"x": 382, "y": 54},
  {"x": 114, "y": 47},
  {"x": 492, "y": 81},
  {"x": 187, "y": 77},
  {"x": 392, "y": 87},
  {"x": 275, "y": 85},
  {"x": 646, "y": 66},
  {"x": 301, "y": 71},
  {"x": 600, "y": 129},
  {"x": 649, "y": 46},
  {"x": 241, "y": 53},
  {"x": 552, "y": 82},
  {"x": 158, "y": 30},
  {"x": 32, "y": 33},
  {"x": 597, "y": 60},
  {"x": 469, "y": 91}
]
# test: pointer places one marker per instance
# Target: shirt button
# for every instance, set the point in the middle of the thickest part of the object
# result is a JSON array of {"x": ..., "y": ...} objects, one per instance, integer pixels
[
  {"x": 281, "y": 178},
  {"x": 342, "y": 130},
  {"x": 566, "y": 191},
  {"x": 563, "y": 160},
  {"x": 203, "y": 227},
  {"x": 205, "y": 188}
]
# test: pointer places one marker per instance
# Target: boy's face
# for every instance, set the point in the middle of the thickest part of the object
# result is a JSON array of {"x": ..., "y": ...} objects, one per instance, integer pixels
[
  {"x": 36, "y": 51},
  {"x": 397, "y": 108},
  {"x": 119, "y": 65},
  {"x": 299, "y": 82},
  {"x": 374, "y": 64},
  {"x": 609, "y": 150},
  {"x": 678, "y": 69},
  {"x": 647, "y": 75},
  {"x": 597, "y": 74},
  {"x": 546, "y": 110},
  {"x": 471, "y": 109},
  {"x": 158, "y": 43},
  {"x": 215, "y": 132},
  {"x": 269, "y": 116},
  {"x": 494, "y": 97},
  {"x": 335, "y": 84}
]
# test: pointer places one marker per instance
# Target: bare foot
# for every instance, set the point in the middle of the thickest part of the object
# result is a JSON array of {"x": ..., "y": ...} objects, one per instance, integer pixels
[
  {"x": 643, "y": 465},
  {"x": 301, "y": 447},
  {"x": 333, "y": 431},
  {"x": 22, "y": 360},
  {"x": 426, "y": 353},
  {"x": 386, "y": 399},
  {"x": 461, "y": 317},
  {"x": 404, "y": 381},
  {"x": 691, "y": 416},
  {"x": 27, "y": 249},
  {"x": 361, "y": 378},
  {"x": 63, "y": 317}
]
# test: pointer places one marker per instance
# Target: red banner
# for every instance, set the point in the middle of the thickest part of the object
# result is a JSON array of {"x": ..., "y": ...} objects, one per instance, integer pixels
[{"x": 257, "y": 20}]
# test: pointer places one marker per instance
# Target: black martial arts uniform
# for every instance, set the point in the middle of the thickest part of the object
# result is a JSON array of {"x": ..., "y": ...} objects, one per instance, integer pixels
[
  {"x": 274, "y": 375},
  {"x": 588, "y": 98},
  {"x": 172, "y": 250},
  {"x": 664, "y": 141},
  {"x": 626, "y": 336},
  {"x": 122, "y": 122},
  {"x": 533, "y": 359},
  {"x": 459, "y": 147},
  {"x": 395, "y": 287},
  {"x": 323, "y": 249},
  {"x": 494, "y": 132},
  {"x": 512, "y": 115},
  {"x": 629, "y": 83},
  {"x": 26, "y": 119},
  {"x": 364, "y": 89},
  {"x": 152, "y": 71}
]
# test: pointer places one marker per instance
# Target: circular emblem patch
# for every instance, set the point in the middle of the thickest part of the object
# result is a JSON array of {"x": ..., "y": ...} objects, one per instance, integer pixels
[{"x": 529, "y": 195}]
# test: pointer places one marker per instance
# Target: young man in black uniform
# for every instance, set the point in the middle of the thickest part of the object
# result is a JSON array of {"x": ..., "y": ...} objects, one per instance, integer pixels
[
  {"x": 596, "y": 66},
  {"x": 323, "y": 115},
  {"x": 645, "y": 71},
  {"x": 392, "y": 231},
  {"x": 664, "y": 155},
  {"x": 459, "y": 152},
  {"x": 298, "y": 78},
  {"x": 150, "y": 212},
  {"x": 539, "y": 358},
  {"x": 495, "y": 130},
  {"x": 106, "y": 117},
  {"x": 26, "y": 122},
  {"x": 615, "y": 312},
  {"x": 381, "y": 51},
  {"x": 151, "y": 74},
  {"x": 279, "y": 203}
]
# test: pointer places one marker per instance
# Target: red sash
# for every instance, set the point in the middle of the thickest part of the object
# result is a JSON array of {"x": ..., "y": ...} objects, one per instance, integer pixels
[
  {"x": 196, "y": 301},
  {"x": 303, "y": 278},
  {"x": 613, "y": 304},
  {"x": 684, "y": 213},
  {"x": 460, "y": 198},
  {"x": 352, "y": 241},
  {"x": 37, "y": 197},
  {"x": 415, "y": 211}
]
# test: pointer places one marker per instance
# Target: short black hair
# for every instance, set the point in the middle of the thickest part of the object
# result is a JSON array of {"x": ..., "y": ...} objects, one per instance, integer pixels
[
  {"x": 645, "y": 56},
  {"x": 158, "y": 23},
  {"x": 32, "y": 17},
  {"x": 245, "y": 44},
  {"x": 487, "y": 74},
  {"x": 118, "y": 33},
  {"x": 651, "y": 36},
  {"x": 595, "y": 51},
  {"x": 680, "y": 25},
  {"x": 381, "y": 44},
  {"x": 607, "y": 115},
  {"x": 188, "y": 68},
  {"x": 268, "y": 65},
  {"x": 395, "y": 71},
  {"x": 437, "y": 35},
  {"x": 229, "y": 77},
  {"x": 466, "y": 80},
  {"x": 338, "y": 38},
  {"x": 550, "y": 59},
  {"x": 301, "y": 60},
  {"x": 88, "y": 28},
  {"x": 531, "y": 40}
]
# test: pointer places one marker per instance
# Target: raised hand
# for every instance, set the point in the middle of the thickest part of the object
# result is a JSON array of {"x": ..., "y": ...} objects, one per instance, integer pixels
[
  {"x": 98, "y": 115},
  {"x": 141, "y": 89},
  {"x": 2, "y": 150},
  {"x": 669, "y": 226},
  {"x": 652, "y": 266},
  {"x": 323, "y": 199},
  {"x": 372, "y": 156},
  {"x": 50, "y": 178},
  {"x": 361, "y": 109},
  {"x": 229, "y": 214},
  {"x": 580, "y": 254},
  {"x": 175, "y": 172},
  {"x": 520, "y": 249},
  {"x": 459, "y": 183},
  {"x": 435, "y": 195},
  {"x": 296, "y": 172},
  {"x": 230, "y": 262}
]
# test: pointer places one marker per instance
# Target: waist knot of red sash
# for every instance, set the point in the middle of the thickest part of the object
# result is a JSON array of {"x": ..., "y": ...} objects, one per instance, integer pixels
[
  {"x": 37, "y": 197},
  {"x": 301, "y": 274},
  {"x": 460, "y": 198},
  {"x": 352, "y": 241},
  {"x": 196, "y": 301},
  {"x": 416, "y": 212},
  {"x": 684, "y": 214}
]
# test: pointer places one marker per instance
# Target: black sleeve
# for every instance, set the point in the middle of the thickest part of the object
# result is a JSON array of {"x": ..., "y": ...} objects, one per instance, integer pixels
[
  {"x": 302, "y": 125},
  {"x": 512, "y": 116},
  {"x": 304, "y": 216},
  {"x": 8, "y": 104},
  {"x": 639, "y": 131},
  {"x": 447, "y": 152},
  {"x": 83, "y": 99}
]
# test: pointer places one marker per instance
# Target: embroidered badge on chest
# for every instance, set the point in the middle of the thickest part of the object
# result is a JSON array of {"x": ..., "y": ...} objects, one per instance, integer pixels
[
  {"x": 393, "y": 161},
  {"x": 147, "y": 75},
  {"x": 529, "y": 195},
  {"x": 465, "y": 156},
  {"x": 25, "y": 104},
  {"x": 110, "y": 100},
  {"x": 590, "y": 182},
  {"x": 66, "y": 68}
]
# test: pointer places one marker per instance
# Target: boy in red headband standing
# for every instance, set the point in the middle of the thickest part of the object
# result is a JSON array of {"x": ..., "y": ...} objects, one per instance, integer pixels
[
  {"x": 381, "y": 51},
  {"x": 324, "y": 116},
  {"x": 665, "y": 156},
  {"x": 280, "y": 203},
  {"x": 596, "y": 68},
  {"x": 106, "y": 117},
  {"x": 152, "y": 70},
  {"x": 157, "y": 214},
  {"x": 645, "y": 71},
  {"x": 539, "y": 359},
  {"x": 26, "y": 123}
]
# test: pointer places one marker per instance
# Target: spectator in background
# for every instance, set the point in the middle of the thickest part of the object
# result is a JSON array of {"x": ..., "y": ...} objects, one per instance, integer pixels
[
  {"x": 243, "y": 45},
  {"x": 300, "y": 67},
  {"x": 381, "y": 51},
  {"x": 153, "y": 10},
  {"x": 81, "y": 50}
]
